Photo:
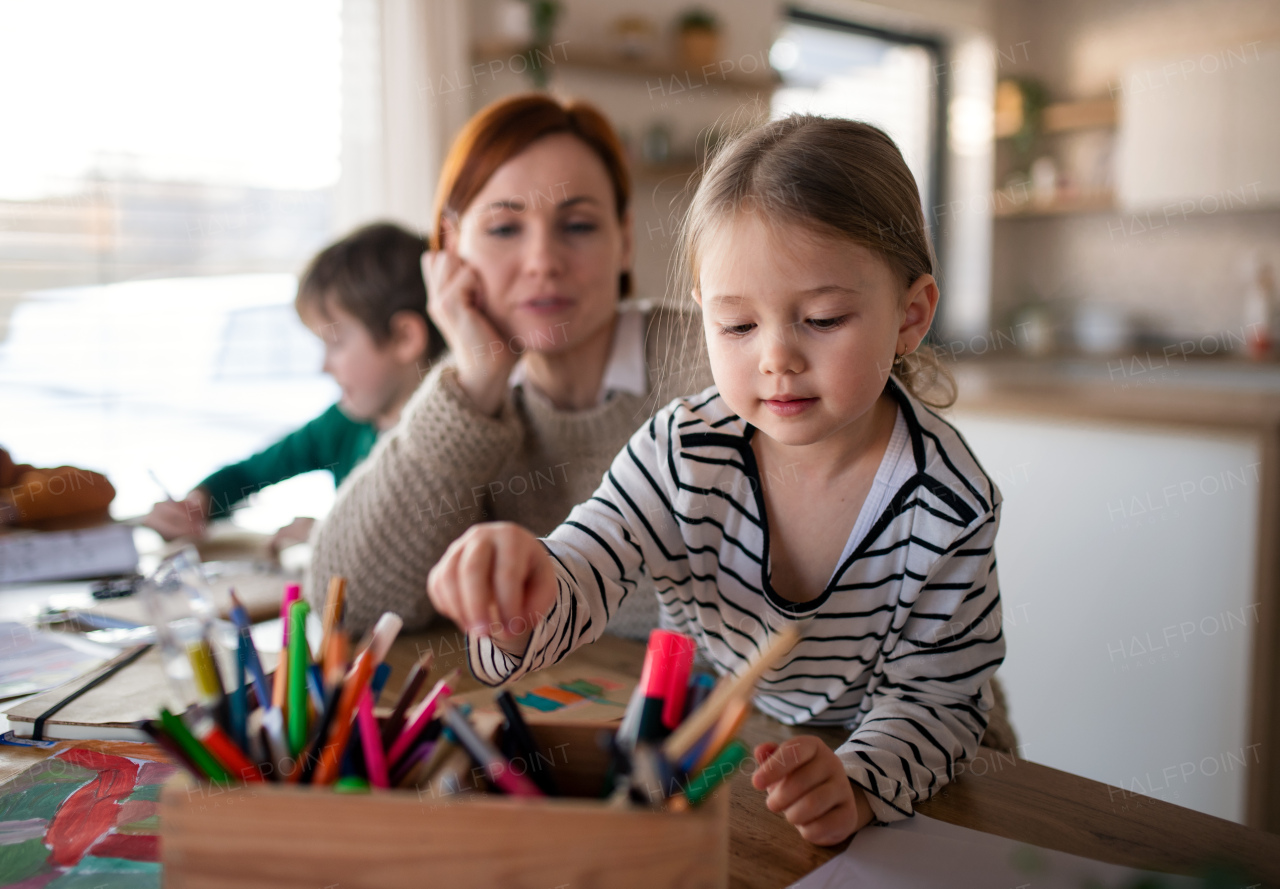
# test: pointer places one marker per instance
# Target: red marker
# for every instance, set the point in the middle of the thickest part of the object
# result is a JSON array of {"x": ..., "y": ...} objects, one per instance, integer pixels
[{"x": 666, "y": 664}]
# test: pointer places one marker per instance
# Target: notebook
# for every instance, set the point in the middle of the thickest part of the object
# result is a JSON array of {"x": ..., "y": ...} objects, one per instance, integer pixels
[
  {"x": 105, "y": 704},
  {"x": 101, "y": 551}
]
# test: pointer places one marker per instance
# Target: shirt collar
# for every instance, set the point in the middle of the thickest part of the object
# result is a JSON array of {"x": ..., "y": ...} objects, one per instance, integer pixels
[{"x": 627, "y": 371}]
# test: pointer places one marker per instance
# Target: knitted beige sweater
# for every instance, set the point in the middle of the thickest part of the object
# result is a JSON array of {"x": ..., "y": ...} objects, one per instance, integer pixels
[{"x": 446, "y": 466}]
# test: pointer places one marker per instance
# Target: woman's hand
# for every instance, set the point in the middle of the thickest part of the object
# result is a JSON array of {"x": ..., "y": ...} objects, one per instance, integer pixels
[
  {"x": 495, "y": 580},
  {"x": 180, "y": 518},
  {"x": 806, "y": 783},
  {"x": 455, "y": 302}
]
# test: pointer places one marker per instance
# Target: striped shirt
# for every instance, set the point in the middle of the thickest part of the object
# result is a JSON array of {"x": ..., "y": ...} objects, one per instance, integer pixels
[{"x": 899, "y": 647}]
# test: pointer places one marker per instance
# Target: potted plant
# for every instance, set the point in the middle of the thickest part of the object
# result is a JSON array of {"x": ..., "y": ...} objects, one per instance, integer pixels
[{"x": 699, "y": 34}]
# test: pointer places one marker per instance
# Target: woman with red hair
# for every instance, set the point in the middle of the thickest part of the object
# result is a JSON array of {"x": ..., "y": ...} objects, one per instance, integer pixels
[{"x": 551, "y": 366}]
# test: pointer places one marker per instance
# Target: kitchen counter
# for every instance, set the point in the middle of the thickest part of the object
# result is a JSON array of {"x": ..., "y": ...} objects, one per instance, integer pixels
[
  {"x": 1171, "y": 397},
  {"x": 1146, "y": 388}
]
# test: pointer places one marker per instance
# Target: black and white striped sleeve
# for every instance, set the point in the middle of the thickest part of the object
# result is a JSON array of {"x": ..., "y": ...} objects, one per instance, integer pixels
[
  {"x": 598, "y": 554},
  {"x": 929, "y": 710}
]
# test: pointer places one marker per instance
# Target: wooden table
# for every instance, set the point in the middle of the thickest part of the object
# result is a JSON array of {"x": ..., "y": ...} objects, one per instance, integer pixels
[{"x": 996, "y": 793}]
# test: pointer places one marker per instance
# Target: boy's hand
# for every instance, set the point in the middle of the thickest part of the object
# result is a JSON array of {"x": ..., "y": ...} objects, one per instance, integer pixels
[
  {"x": 297, "y": 531},
  {"x": 180, "y": 518},
  {"x": 495, "y": 580},
  {"x": 455, "y": 302},
  {"x": 806, "y": 782}
]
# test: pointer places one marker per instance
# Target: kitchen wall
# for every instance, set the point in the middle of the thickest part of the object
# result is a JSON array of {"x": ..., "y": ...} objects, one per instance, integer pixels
[
  {"x": 1179, "y": 275},
  {"x": 749, "y": 29}
]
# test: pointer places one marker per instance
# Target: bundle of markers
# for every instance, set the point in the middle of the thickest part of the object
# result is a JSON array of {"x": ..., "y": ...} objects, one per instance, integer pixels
[
  {"x": 313, "y": 722},
  {"x": 677, "y": 740}
]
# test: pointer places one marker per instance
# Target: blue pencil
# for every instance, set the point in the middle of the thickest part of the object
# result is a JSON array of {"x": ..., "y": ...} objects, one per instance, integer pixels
[
  {"x": 239, "y": 703},
  {"x": 240, "y": 617},
  {"x": 379, "y": 681},
  {"x": 315, "y": 685}
]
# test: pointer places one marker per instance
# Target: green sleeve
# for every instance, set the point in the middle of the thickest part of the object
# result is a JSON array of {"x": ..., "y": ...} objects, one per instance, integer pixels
[{"x": 331, "y": 441}]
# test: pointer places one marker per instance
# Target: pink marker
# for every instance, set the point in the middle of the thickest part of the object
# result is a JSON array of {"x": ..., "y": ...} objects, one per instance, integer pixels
[
  {"x": 375, "y": 758},
  {"x": 292, "y": 593},
  {"x": 679, "y": 649},
  {"x": 426, "y": 710}
]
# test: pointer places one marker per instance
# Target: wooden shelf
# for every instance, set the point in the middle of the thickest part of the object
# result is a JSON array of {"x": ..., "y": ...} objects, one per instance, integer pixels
[
  {"x": 1070, "y": 117},
  {"x": 573, "y": 57},
  {"x": 1092, "y": 202},
  {"x": 1091, "y": 114}
]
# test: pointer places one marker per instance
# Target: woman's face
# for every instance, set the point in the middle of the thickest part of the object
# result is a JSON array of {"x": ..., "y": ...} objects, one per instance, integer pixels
[{"x": 545, "y": 238}]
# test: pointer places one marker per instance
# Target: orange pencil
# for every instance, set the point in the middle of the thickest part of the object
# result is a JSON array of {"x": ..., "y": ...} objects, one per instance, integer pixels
[
  {"x": 735, "y": 714},
  {"x": 358, "y": 678},
  {"x": 332, "y": 614}
]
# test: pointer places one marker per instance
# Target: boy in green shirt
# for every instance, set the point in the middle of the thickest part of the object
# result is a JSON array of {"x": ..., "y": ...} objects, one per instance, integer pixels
[{"x": 364, "y": 296}]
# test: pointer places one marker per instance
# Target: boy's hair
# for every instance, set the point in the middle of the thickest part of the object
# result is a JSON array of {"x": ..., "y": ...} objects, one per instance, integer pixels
[
  {"x": 506, "y": 127},
  {"x": 373, "y": 273},
  {"x": 834, "y": 176}
]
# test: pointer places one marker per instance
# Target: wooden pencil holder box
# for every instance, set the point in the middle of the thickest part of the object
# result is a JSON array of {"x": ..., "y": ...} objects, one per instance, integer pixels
[{"x": 292, "y": 837}]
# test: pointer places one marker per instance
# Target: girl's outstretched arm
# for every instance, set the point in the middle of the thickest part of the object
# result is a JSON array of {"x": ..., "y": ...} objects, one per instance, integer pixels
[
  {"x": 595, "y": 559},
  {"x": 929, "y": 709},
  {"x": 495, "y": 580}
]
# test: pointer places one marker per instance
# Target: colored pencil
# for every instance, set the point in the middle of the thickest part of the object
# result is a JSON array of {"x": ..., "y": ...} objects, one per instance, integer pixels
[
  {"x": 720, "y": 768},
  {"x": 229, "y": 756},
  {"x": 496, "y": 767},
  {"x": 358, "y": 677},
  {"x": 408, "y": 694},
  {"x": 196, "y": 752},
  {"x": 524, "y": 744},
  {"x": 719, "y": 737},
  {"x": 333, "y": 608},
  {"x": 425, "y": 711},
  {"x": 291, "y": 593},
  {"x": 375, "y": 758},
  {"x": 240, "y": 617},
  {"x": 702, "y": 719}
]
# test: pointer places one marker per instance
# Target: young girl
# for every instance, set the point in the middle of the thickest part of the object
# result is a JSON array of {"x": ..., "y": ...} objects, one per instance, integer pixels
[{"x": 810, "y": 486}]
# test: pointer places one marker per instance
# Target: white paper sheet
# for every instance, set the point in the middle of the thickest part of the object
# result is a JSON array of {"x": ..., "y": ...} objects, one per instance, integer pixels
[
  {"x": 33, "y": 660},
  {"x": 923, "y": 852}
]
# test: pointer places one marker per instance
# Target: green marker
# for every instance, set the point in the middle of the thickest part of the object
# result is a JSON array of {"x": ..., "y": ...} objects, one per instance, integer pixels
[
  {"x": 721, "y": 767},
  {"x": 299, "y": 655},
  {"x": 351, "y": 784},
  {"x": 199, "y": 754}
]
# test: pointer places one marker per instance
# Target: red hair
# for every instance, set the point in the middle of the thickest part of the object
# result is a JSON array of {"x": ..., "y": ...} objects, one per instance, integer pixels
[{"x": 503, "y": 129}]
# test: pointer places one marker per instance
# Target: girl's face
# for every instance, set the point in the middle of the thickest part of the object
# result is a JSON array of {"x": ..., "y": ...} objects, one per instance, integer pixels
[
  {"x": 802, "y": 327},
  {"x": 545, "y": 238}
]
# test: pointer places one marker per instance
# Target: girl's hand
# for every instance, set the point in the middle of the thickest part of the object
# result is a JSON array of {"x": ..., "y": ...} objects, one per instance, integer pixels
[
  {"x": 806, "y": 782},
  {"x": 455, "y": 302},
  {"x": 495, "y": 580}
]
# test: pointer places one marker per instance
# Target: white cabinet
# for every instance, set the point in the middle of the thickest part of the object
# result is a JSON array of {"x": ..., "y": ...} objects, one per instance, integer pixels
[
  {"x": 1126, "y": 558},
  {"x": 1200, "y": 133}
]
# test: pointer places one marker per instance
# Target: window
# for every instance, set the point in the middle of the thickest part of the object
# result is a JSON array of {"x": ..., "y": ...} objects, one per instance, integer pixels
[
  {"x": 167, "y": 169},
  {"x": 840, "y": 69}
]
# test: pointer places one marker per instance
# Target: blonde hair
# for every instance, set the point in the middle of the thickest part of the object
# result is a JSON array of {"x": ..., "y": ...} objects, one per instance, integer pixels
[{"x": 833, "y": 176}]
